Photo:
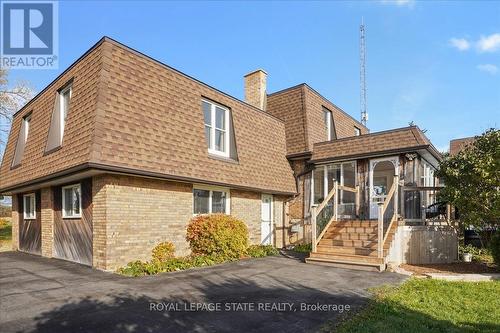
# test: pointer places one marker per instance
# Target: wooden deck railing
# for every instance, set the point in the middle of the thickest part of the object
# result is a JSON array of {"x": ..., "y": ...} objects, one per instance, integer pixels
[
  {"x": 384, "y": 232},
  {"x": 316, "y": 210}
]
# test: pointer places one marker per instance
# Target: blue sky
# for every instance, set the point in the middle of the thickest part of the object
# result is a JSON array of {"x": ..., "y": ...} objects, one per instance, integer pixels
[{"x": 434, "y": 63}]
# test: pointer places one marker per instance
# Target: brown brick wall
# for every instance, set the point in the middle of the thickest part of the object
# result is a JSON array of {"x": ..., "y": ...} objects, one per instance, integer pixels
[{"x": 47, "y": 221}]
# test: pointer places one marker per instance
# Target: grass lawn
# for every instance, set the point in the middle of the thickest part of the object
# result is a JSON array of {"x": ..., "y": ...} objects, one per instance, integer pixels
[
  {"x": 5, "y": 235},
  {"x": 425, "y": 305}
]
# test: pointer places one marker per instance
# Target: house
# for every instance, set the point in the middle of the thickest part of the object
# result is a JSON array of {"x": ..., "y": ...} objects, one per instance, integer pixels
[
  {"x": 120, "y": 151},
  {"x": 457, "y": 145}
]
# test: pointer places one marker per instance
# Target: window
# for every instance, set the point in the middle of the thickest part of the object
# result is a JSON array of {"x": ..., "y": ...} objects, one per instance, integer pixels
[
  {"x": 29, "y": 206},
  {"x": 216, "y": 128},
  {"x": 327, "y": 118},
  {"x": 59, "y": 117},
  {"x": 64, "y": 99},
  {"x": 207, "y": 200},
  {"x": 21, "y": 140},
  {"x": 324, "y": 176},
  {"x": 71, "y": 201},
  {"x": 357, "y": 131}
]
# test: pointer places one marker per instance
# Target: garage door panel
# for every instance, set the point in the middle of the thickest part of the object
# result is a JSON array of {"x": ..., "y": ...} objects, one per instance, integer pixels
[
  {"x": 73, "y": 237},
  {"x": 30, "y": 231}
]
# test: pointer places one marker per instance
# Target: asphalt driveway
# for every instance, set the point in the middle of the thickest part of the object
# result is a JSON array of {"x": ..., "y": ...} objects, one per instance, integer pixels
[{"x": 274, "y": 294}]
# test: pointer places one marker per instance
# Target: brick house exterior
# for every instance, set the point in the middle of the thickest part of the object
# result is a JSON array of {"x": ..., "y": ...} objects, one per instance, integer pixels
[{"x": 111, "y": 158}]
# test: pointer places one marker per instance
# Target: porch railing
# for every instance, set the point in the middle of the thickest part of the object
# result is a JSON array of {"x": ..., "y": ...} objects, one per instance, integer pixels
[
  {"x": 421, "y": 204},
  {"x": 387, "y": 215},
  {"x": 323, "y": 215}
]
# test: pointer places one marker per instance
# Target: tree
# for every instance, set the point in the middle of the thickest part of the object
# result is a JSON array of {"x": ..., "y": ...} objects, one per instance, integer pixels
[
  {"x": 12, "y": 98},
  {"x": 472, "y": 180}
]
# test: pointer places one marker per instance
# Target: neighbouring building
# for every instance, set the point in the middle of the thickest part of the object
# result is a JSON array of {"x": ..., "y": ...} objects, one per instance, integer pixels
[
  {"x": 120, "y": 151},
  {"x": 457, "y": 145}
]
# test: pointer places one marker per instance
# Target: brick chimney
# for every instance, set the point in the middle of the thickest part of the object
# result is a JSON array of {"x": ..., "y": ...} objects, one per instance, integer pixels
[{"x": 255, "y": 88}]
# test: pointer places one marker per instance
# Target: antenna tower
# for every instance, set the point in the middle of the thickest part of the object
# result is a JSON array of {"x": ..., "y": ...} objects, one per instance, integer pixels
[{"x": 362, "y": 72}]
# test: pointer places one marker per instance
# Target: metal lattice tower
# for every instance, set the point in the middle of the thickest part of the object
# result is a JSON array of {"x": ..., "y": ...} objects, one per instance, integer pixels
[{"x": 362, "y": 72}]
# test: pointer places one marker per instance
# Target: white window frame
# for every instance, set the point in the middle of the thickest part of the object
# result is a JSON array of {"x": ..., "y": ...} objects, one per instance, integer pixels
[
  {"x": 61, "y": 108},
  {"x": 226, "y": 130},
  {"x": 63, "y": 204},
  {"x": 325, "y": 178},
  {"x": 328, "y": 115},
  {"x": 26, "y": 124},
  {"x": 32, "y": 198},
  {"x": 212, "y": 189},
  {"x": 357, "y": 131}
]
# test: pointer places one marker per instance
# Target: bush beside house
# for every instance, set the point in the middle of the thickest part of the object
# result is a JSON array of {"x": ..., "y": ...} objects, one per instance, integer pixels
[{"x": 213, "y": 239}]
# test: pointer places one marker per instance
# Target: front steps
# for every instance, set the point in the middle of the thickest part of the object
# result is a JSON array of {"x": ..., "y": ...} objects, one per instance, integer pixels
[{"x": 352, "y": 244}]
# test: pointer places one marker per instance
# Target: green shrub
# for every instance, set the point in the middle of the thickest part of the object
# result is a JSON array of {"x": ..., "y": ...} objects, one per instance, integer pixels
[
  {"x": 495, "y": 248},
  {"x": 259, "y": 251},
  {"x": 217, "y": 234},
  {"x": 140, "y": 268},
  {"x": 163, "y": 251},
  {"x": 303, "y": 248}
]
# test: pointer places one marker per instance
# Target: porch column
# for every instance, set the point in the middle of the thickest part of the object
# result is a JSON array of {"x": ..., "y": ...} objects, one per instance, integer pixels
[
  {"x": 47, "y": 221},
  {"x": 15, "y": 222}
]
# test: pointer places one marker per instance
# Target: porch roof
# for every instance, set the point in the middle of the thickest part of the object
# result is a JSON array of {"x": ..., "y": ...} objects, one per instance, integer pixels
[{"x": 393, "y": 141}]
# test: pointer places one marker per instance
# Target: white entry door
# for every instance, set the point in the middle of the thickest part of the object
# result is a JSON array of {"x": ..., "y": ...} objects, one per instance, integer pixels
[
  {"x": 382, "y": 172},
  {"x": 266, "y": 225}
]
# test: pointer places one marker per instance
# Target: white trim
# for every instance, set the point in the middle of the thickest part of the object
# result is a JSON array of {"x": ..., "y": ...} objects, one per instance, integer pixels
[
  {"x": 212, "y": 189},
  {"x": 271, "y": 221},
  {"x": 61, "y": 110},
  {"x": 372, "y": 164},
  {"x": 325, "y": 177},
  {"x": 328, "y": 115},
  {"x": 63, "y": 201},
  {"x": 32, "y": 196},
  {"x": 226, "y": 130}
]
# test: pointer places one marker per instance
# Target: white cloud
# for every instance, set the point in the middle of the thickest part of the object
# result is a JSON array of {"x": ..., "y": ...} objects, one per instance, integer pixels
[
  {"x": 489, "y": 43},
  {"x": 488, "y": 68},
  {"x": 400, "y": 3},
  {"x": 461, "y": 44}
]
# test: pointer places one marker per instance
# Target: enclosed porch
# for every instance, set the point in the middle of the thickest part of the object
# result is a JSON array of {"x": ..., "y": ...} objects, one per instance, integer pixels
[{"x": 357, "y": 201}]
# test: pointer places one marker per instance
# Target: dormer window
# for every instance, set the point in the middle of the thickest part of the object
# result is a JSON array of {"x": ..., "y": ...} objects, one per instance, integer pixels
[
  {"x": 59, "y": 116},
  {"x": 64, "y": 99},
  {"x": 216, "y": 128},
  {"x": 21, "y": 140},
  {"x": 328, "y": 119},
  {"x": 357, "y": 131}
]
